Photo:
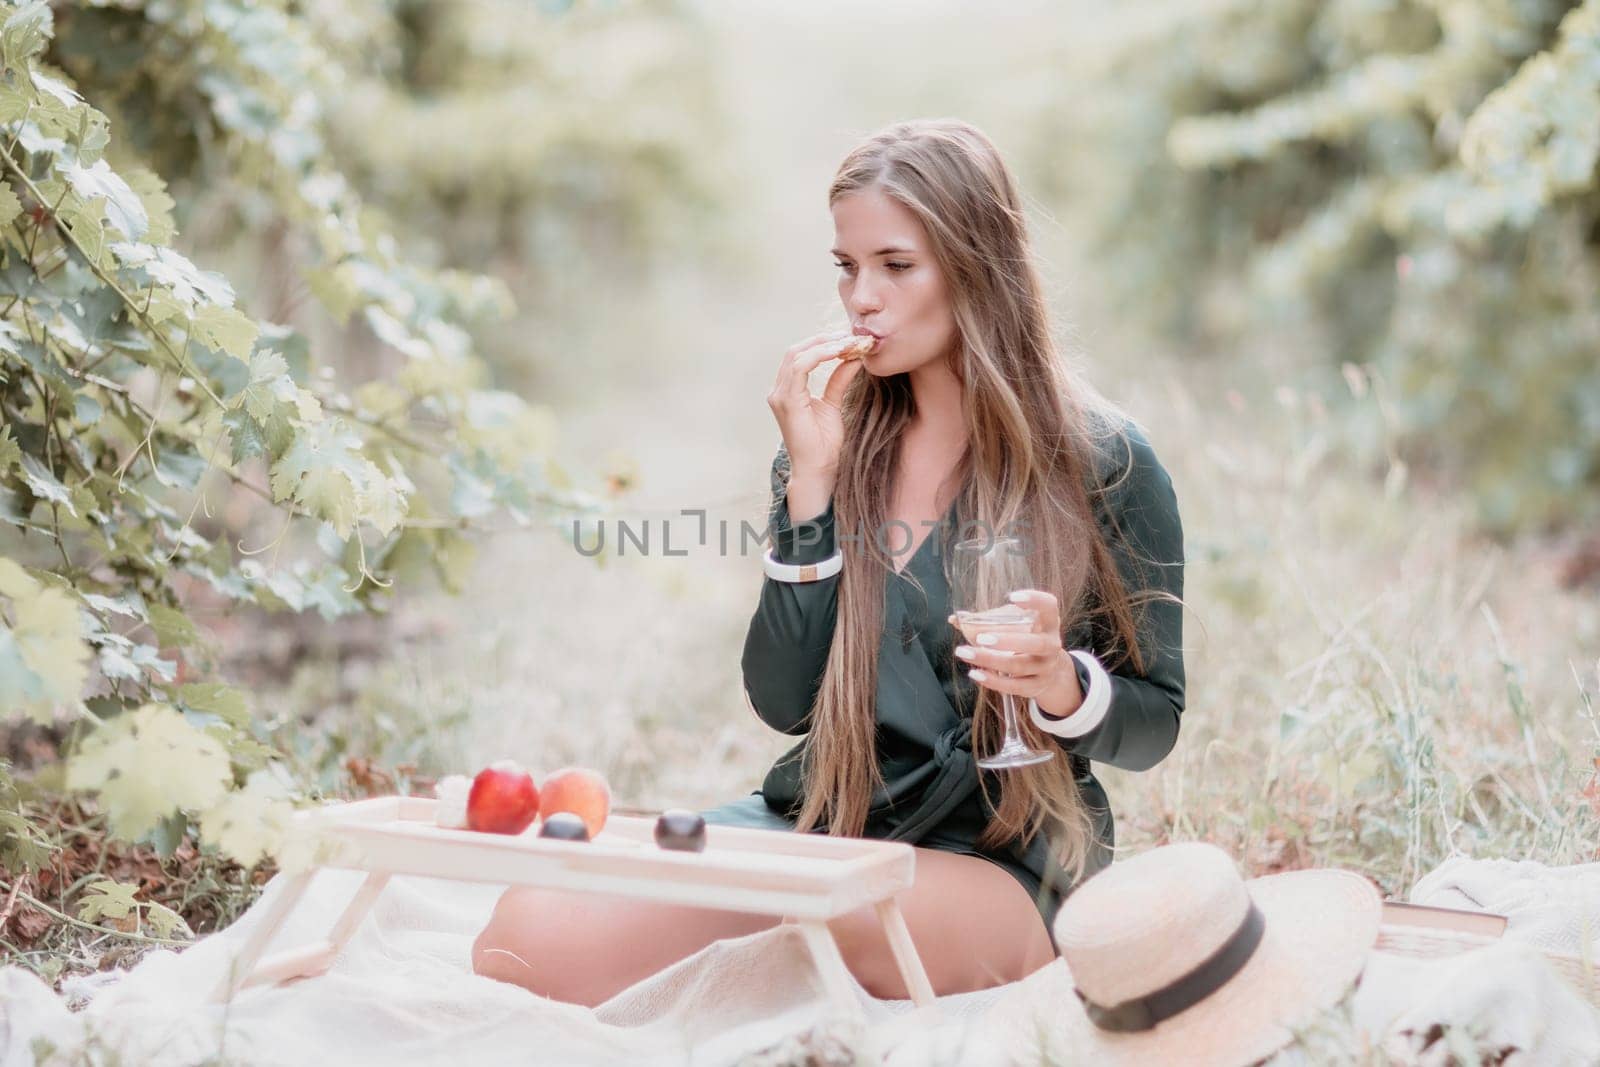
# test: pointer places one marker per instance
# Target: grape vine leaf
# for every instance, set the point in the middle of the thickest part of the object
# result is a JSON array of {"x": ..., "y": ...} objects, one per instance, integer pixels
[
  {"x": 22, "y": 846},
  {"x": 25, "y": 31},
  {"x": 158, "y": 205},
  {"x": 107, "y": 899},
  {"x": 325, "y": 471},
  {"x": 190, "y": 286},
  {"x": 225, "y": 328},
  {"x": 45, "y": 485},
  {"x": 10, "y": 454},
  {"x": 173, "y": 628},
  {"x": 122, "y": 205},
  {"x": 250, "y": 823},
  {"x": 43, "y": 658},
  {"x": 117, "y": 761},
  {"x": 214, "y": 698},
  {"x": 10, "y": 206}
]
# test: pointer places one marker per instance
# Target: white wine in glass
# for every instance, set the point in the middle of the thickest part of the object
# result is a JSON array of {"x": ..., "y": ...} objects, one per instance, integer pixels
[{"x": 983, "y": 574}]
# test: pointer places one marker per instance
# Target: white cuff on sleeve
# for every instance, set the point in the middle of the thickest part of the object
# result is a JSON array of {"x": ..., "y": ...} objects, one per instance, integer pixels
[{"x": 1093, "y": 709}]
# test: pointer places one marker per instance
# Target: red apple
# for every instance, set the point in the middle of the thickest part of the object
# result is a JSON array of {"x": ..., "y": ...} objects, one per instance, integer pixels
[
  {"x": 503, "y": 799},
  {"x": 581, "y": 791}
]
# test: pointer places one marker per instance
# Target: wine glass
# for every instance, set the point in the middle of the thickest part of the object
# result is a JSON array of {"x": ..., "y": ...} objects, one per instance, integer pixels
[{"x": 983, "y": 574}]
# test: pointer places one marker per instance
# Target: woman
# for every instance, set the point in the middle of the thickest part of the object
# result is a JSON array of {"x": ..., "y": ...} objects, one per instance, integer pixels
[{"x": 963, "y": 411}]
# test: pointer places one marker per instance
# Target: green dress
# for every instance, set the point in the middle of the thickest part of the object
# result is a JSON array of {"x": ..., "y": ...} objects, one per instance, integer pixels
[{"x": 931, "y": 793}]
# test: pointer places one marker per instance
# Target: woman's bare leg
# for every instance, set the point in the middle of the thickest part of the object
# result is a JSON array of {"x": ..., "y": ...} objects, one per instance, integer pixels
[
  {"x": 584, "y": 949},
  {"x": 972, "y": 923}
]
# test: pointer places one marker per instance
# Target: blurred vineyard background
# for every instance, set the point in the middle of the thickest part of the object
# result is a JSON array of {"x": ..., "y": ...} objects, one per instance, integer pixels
[{"x": 492, "y": 265}]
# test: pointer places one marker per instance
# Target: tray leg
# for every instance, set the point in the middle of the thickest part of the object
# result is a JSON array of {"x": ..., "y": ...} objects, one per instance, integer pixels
[
  {"x": 905, "y": 953},
  {"x": 244, "y": 962},
  {"x": 830, "y": 965},
  {"x": 357, "y": 909},
  {"x": 313, "y": 958}
]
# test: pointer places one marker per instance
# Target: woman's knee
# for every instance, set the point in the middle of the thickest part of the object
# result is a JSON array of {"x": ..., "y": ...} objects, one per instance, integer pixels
[
  {"x": 972, "y": 923},
  {"x": 503, "y": 948},
  {"x": 583, "y": 948},
  {"x": 867, "y": 955}
]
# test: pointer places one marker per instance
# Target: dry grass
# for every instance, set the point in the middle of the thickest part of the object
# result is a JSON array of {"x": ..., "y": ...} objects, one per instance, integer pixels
[{"x": 1371, "y": 686}]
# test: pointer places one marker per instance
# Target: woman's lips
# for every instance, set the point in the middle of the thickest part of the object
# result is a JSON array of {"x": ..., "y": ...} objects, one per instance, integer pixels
[{"x": 873, "y": 341}]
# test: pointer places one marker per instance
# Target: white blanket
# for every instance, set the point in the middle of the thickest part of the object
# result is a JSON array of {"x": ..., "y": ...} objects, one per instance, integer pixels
[
  {"x": 1553, "y": 909},
  {"x": 1501, "y": 1000},
  {"x": 1505, "y": 999},
  {"x": 403, "y": 991}
]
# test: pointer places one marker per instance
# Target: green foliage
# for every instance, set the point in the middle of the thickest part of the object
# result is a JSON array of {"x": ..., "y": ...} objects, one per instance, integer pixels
[
  {"x": 23, "y": 846},
  {"x": 629, "y": 162},
  {"x": 496, "y": 133},
  {"x": 145, "y": 764},
  {"x": 135, "y": 387},
  {"x": 107, "y": 899},
  {"x": 1408, "y": 185},
  {"x": 43, "y": 659}
]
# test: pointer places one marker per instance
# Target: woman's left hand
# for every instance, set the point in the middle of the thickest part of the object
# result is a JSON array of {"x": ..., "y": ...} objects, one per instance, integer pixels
[{"x": 1027, "y": 665}]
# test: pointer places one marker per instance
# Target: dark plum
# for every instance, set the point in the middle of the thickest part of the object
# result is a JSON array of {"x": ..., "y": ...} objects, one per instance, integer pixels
[
  {"x": 564, "y": 826},
  {"x": 681, "y": 830}
]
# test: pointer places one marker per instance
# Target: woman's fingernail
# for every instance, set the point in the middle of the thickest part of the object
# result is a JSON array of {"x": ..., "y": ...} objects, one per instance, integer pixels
[
  {"x": 1018, "y": 597},
  {"x": 986, "y": 639},
  {"x": 964, "y": 652},
  {"x": 977, "y": 675}
]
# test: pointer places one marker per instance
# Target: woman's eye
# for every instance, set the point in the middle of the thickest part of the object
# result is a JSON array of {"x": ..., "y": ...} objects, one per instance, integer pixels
[{"x": 896, "y": 267}]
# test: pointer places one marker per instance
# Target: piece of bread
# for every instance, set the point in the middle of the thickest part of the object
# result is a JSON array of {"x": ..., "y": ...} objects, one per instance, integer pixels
[{"x": 857, "y": 346}]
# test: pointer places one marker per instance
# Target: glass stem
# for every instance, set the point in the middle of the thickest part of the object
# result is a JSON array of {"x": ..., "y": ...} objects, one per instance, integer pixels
[{"x": 1012, "y": 737}]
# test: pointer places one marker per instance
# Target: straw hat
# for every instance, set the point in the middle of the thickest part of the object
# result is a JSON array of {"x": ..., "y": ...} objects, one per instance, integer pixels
[{"x": 1172, "y": 958}]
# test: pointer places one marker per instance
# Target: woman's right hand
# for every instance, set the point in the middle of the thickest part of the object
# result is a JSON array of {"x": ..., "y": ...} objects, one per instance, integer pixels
[{"x": 812, "y": 426}]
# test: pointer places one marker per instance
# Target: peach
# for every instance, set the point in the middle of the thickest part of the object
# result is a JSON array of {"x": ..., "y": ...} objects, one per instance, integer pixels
[{"x": 581, "y": 791}]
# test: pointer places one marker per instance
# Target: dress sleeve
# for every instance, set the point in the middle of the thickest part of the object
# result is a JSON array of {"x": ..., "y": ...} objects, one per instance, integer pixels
[
  {"x": 1138, "y": 725},
  {"x": 786, "y": 648},
  {"x": 1094, "y": 684}
]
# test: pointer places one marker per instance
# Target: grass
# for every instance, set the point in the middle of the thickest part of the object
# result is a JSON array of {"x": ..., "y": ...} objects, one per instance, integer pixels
[{"x": 1371, "y": 686}]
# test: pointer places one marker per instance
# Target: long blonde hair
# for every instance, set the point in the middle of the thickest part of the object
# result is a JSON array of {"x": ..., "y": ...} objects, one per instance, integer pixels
[{"x": 1036, "y": 430}]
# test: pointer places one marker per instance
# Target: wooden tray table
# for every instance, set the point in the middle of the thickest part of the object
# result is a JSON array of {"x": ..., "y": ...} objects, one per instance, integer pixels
[{"x": 804, "y": 878}]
